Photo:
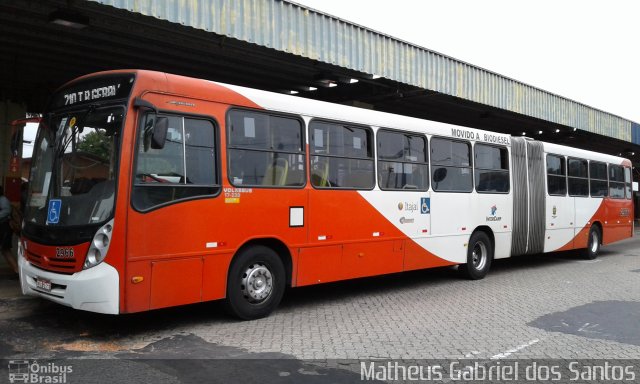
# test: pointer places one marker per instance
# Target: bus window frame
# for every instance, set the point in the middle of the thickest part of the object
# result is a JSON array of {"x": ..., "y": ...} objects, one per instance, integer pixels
[
  {"x": 629, "y": 184},
  {"x": 588, "y": 178},
  {"x": 227, "y": 129},
  {"x": 609, "y": 165},
  {"x": 373, "y": 154},
  {"x": 508, "y": 170},
  {"x": 216, "y": 136},
  {"x": 606, "y": 166},
  {"x": 471, "y": 165},
  {"x": 546, "y": 171},
  {"x": 427, "y": 154}
]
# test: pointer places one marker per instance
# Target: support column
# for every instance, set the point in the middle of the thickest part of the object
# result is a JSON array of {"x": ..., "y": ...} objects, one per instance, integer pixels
[{"x": 9, "y": 111}]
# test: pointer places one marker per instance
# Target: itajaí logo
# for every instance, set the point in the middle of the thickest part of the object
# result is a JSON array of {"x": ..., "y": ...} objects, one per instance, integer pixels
[{"x": 493, "y": 216}]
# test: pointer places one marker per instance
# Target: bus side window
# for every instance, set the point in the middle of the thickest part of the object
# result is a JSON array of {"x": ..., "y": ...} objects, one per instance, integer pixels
[
  {"x": 556, "y": 175},
  {"x": 265, "y": 150},
  {"x": 627, "y": 182},
  {"x": 578, "y": 178},
  {"x": 616, "y": 181},
  {"x": 341, "y": 156},
  {"x": 491, "y": 167},
  {"x": 598, "y": 184},
  {"x": 451, "y": 165},
  {"x": 402, "y": 161},
  {"x": 185, "y": 168}
]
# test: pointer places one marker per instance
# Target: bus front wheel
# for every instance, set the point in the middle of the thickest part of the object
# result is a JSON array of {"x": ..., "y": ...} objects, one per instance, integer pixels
[
  {"x": 256, "y": 283},
  {"x": 593, "y": 245},
  {"x": 479, "y": 256}
]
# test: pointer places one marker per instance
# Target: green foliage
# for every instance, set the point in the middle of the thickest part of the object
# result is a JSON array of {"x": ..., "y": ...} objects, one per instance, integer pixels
[{"x": 95, "y": 143}]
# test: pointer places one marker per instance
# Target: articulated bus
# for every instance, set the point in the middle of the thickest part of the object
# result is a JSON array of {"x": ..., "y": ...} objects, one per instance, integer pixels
[{"x": 150, "y": 190}]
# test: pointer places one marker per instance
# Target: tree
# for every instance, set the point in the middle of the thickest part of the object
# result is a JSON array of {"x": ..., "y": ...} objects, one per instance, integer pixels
[{"x": 95, "y": 143}]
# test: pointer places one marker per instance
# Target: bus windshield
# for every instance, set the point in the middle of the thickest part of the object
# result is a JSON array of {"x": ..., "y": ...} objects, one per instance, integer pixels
[{"x": 74, "y": 167}]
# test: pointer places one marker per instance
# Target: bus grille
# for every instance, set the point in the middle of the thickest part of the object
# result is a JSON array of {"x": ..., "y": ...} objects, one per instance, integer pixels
[{"x": 67, "y": 266}]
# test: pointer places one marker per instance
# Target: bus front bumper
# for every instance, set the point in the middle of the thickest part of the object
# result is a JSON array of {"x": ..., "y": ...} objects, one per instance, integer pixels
[{"x": 95, "y": 289}]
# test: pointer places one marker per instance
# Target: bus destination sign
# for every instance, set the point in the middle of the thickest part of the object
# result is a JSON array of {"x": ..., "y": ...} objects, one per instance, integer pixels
[{"x": 94, "y": 90}]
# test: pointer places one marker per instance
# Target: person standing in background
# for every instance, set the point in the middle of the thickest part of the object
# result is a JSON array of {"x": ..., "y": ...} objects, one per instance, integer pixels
[{"x": 5, "y": 230}]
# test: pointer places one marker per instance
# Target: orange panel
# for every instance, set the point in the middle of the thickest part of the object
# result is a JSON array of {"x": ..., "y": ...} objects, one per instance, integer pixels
[
  {"x": 176, "y": 282},
  {"x": 416, "y": 257},
  {"x": 371, "y": 258},
  {"x": 214, "y": 284},
  {"x": 319, "y": 265},
  {"x": 137, "y": 294}
]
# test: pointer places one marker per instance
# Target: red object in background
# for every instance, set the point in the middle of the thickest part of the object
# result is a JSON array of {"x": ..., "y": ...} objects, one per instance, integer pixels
[
  {"x": 12, "y": 188},
  {"x": 14, "y": 165}
]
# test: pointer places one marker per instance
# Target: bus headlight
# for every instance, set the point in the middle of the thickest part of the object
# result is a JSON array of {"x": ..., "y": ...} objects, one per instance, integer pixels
[{"x": 99, "y": 245}]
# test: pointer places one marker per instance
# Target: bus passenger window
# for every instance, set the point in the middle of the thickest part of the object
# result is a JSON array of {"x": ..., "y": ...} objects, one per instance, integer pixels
[
  {"x": 627, "y": 182},
  {"x": 556, "y": 175},
  {"x": 578, "y": 178},
  {"x": 186, "y": 167},
  {"x": 491, "y": 168},
  {"x": 598, "y": 184},
  {"x": 265, "y": 150},
  {"x": 616, "y": 181},
  {"x": 402, "y": 161},
  {"x": 342, "y": 156},
  {"x": 451, "y": 165}
]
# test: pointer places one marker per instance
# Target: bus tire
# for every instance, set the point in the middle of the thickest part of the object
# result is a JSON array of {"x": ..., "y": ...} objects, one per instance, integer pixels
[
  {"x": 593, "y": 244},
  {"x": 479, "y": 256},
  {"x": 256, "y": 283}
]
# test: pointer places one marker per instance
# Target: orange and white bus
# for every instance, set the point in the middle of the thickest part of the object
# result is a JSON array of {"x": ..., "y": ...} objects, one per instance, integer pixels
[{"x": 151, "y": 190}]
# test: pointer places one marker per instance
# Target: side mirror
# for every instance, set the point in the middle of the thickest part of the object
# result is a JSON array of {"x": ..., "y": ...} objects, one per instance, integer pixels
[{"x": 159, "y": 135}]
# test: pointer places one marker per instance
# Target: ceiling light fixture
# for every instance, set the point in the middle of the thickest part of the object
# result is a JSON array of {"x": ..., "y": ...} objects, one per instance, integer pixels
[{"x": 69, "y": 19}]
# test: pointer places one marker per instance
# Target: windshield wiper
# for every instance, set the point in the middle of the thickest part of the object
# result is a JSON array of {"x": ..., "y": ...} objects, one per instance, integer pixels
[{"x": 61, "y": 145}]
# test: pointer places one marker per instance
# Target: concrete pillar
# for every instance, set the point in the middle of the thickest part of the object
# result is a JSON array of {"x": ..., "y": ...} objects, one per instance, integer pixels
[{"x": 9, "y": 111}]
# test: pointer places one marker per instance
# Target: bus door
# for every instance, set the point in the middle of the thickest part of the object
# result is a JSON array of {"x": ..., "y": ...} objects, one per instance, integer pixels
[
  {"x": 560, "y": 207},
  {"x": 175, "y": 207}
]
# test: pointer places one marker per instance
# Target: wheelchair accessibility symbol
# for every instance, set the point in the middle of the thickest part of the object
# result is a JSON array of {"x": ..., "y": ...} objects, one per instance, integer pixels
[
  {"x": 53, "y": 212},
  {"x": 425, "y": 205}
]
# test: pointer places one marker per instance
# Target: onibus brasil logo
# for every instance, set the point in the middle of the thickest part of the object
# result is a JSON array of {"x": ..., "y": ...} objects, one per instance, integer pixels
[{"x": 25, "y": 371}]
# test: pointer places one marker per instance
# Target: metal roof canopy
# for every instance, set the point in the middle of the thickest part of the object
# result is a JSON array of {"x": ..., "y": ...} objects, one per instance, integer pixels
[{"x": 279, "y": 45}]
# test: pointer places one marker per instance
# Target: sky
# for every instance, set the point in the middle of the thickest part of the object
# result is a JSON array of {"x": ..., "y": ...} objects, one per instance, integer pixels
[{"x": 587, "y": 51}]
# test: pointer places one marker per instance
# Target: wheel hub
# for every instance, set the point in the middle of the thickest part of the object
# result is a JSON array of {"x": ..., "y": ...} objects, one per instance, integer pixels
[
  {"x": 594, "y": 242},
  {"x": 257, "y": 283},
  {"x": 479, "y": 256}
]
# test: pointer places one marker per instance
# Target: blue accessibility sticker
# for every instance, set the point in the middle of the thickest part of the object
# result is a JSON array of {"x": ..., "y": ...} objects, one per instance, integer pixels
[
  {"x": 53, "y": 212},
  {"x": 425, "y": 205}
]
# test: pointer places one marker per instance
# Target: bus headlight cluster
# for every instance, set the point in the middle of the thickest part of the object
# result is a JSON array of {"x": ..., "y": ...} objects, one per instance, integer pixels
[{"x": 99, "y": 245}]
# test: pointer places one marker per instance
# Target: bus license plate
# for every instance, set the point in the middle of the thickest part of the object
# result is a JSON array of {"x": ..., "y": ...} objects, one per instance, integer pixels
[{"x": 43, "y": 284}]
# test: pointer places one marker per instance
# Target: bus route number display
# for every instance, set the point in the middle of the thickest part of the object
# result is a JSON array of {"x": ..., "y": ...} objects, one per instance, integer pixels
[
  {"x": 94, "y": 89},
  {"x": 90, "y": 94}
]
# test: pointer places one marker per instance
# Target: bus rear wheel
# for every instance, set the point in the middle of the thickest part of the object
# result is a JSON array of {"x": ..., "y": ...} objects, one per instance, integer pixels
[
  {"x": 479, "y": 256},
  {"x": 256, "y": 283},
  {"x": 593, "y": 245}
]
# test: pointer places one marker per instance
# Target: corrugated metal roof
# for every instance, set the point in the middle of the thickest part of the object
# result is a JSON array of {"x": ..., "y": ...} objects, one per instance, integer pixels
[{"x": 293, "y": 28}]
